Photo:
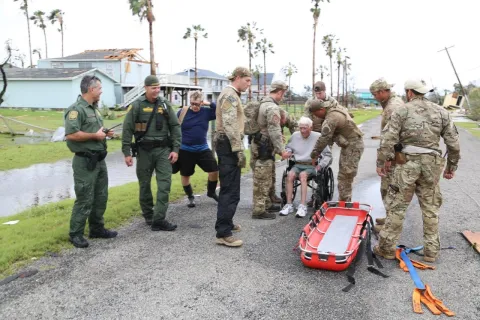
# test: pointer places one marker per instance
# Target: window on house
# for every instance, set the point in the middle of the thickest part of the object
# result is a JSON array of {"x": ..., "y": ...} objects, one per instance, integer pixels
[
  {"x": 176, "y": 97},
  {"x": 57, "y": 65},
  {"x": 84, "y": 65},
  {"x": 209, "y": 82}
]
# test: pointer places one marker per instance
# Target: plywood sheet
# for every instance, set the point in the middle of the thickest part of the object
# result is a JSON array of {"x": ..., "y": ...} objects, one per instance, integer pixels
[{"x": 473, "y": 238}]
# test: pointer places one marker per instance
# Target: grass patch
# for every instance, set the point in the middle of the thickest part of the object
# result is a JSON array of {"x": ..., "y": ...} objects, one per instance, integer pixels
[
  {"x": 471, "y": 127},
  {"x": 17, "y": 154},
  {"x": 45, "y": 228}
]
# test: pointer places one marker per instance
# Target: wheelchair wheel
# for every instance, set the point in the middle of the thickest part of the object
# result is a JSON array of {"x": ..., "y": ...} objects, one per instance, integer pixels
[
  {"x": 283, "y": 193},
  {"x": 329, "y": 184}
]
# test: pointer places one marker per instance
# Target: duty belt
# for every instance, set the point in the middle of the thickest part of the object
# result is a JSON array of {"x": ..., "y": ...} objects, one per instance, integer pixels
[{"x": 409, "y": 149}]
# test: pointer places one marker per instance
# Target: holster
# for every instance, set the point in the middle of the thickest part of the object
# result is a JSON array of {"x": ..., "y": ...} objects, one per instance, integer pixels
[
  {"x": 93, "y": 157},
  {"x": 265, "y": 149},
  {"x": 400, "y": 157}
]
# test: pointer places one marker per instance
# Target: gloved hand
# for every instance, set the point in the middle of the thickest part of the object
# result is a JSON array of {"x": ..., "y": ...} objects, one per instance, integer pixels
[{"x": 242, "y": 161}]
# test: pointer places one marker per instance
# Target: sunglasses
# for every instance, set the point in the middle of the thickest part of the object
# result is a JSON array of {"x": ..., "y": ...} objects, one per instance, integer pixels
[{"x": 196, "y": 104}]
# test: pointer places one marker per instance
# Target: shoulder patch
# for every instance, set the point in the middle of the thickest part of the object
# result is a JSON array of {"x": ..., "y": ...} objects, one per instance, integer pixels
[
  {"x": 227, "y": 104},
  {"x": 129, "y": 108},
  {"x": 73, "y": 115}
]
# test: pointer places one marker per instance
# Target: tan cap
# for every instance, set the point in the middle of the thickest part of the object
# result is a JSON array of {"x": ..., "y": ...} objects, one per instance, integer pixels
[
  {"x": 380, "y": 84},
  {"x": 319, "y": 86},
  {"x": 240, "y": 72},
  {"x": 278, "y": 85},
  {"x": 316, "y": 105},
  {"x": 418, "y": 85}
]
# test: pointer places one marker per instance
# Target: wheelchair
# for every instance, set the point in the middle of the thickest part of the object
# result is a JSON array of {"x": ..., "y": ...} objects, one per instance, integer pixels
[{"x": 322, "y": 184}]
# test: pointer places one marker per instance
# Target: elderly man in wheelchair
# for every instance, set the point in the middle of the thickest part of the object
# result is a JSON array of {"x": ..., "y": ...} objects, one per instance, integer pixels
[{"x": 316, "y": 175}]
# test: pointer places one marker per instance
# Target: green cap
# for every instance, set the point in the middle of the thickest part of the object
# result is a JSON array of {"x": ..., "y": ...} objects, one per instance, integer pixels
[
  {"x": 152, "y": 81},
  {"x": 316, "y": 105}
]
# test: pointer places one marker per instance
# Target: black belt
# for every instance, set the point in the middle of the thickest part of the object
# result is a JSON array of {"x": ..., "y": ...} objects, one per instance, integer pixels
[{"x": 88, "y": 154}]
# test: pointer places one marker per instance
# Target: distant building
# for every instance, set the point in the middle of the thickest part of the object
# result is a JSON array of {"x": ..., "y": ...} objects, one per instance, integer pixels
[
  {"x": 365, "y": 96},
  {"x": 210, "y": 82},
  {"x": 52, "y": 88}
]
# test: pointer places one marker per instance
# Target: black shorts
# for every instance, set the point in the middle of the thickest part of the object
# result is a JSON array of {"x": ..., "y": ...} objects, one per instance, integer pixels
[{"x": 204, "y": 159}]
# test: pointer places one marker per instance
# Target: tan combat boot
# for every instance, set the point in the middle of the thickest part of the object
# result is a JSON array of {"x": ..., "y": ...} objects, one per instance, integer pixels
[
  {"x": 377, "y": 228},
  {"x": 380, "y": 221},
  {"x": 229, "y": 241},
  {"x": 380, "y": 253}
]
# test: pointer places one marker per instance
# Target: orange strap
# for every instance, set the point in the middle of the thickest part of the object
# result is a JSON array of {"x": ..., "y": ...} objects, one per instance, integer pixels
[
  {"x": 433, "y": 304},
  {"x": 415, "y": 263}
]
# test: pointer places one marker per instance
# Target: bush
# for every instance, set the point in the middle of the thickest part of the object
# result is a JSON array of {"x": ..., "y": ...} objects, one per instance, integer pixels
[{"x": 474, "y": 98}]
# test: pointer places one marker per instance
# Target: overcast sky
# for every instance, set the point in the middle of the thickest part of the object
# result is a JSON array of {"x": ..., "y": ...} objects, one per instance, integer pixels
[{"x": 395, "y": 39}]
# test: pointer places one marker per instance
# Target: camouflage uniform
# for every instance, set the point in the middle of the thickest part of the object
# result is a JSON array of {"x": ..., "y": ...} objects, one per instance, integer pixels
[
  {"x": 269, "y": 122},
  {"x": 389, "y": 106},
  {"x": 418, "y": 123},
  {"x": 229, "y": 142},
  {"x": 339, "y": 127}
]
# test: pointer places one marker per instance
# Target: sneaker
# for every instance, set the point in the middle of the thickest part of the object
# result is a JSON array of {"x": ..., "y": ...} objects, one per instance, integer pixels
[
  {"x": 236, "y": 228},
  {"x": 104, "y": 234},
  {"x": 288, "y": 208},
  {"x": 191, "y": 202},
  {"x": 229, "y": 241},
  {"x": 163, "y": 225},
  {"x": 79, "y": 241},
  {"x": 380, "y": 253},
  {"x": 380, "y": 221},
  {"x": 264, "y": 216},
  {"x": 301, "y": 211}
]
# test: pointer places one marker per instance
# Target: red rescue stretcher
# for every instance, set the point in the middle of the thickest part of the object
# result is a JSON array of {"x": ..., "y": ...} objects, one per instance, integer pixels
[{"x": 334, "y": 236}]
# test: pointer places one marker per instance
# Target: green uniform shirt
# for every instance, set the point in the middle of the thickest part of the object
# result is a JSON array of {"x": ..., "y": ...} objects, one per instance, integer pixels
[
  {"x": 82, "y": 116},
  {"x": 140, "y": 111}
]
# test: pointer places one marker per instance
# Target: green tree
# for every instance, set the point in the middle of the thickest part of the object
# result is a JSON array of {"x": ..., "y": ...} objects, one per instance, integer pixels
[
  {"x": 328, "y": 42},
  {"x": 264, "y": 47},
  {"x": 316, "y": 15},
  {"x": 57, "y": 16},
  {"x": 247, "y": 34},
  {"x": 197, "y": 32},
  {"x": 24, "y": 7},
  {"x": 289, "y": 70},
  {"x": 38, "y": 51},
  {"x": 339, "y": 66},
  {"x": 39, "y": 21},
  {"x": 143, "y": 9},
  {"x": 474, "y": 98}
]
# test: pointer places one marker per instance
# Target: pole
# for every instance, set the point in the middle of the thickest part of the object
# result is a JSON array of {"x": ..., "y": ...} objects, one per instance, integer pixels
[{"x": 456, "y": 74}]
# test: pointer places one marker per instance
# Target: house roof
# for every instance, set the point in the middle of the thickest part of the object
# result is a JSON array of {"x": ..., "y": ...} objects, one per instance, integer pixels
[
  {"x": 202, "y": 73},
  {"x": 50, "y": 74},
  {"x": 104, "y": 54},
  {"x": 269, "y": 79}
]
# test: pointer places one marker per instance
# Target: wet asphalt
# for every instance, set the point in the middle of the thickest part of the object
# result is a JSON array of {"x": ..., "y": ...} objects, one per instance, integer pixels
[{"x": 183, "y": 275}]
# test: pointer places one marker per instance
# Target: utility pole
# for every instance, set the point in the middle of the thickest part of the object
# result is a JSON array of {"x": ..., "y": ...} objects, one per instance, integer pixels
[{"x": 456, "y": 74}]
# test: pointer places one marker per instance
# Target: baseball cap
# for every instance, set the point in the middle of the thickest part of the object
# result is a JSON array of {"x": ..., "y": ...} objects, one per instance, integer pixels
[
  {"x": 240, "y": 72},
  {"x": 418, "y": 85},
  {"x": 380, "y": 84},
  {"x": 278, "y": 85}
]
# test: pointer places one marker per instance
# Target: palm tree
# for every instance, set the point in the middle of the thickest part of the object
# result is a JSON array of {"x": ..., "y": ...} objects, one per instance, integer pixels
[
  {"x": 321, "y": 70},
  {"x": 256, "y": 74},
  {"x": 339, "y": 66},
  {"x": 264, "y": 47},
  {"x": 328, "y": 42},
  {"x": 316, "y": 15},
  {"x": 38, "y": 20},
  {"x": 196, "y": 33},
  {"x": 289, "y": 70},
  {"x": 247, "y": 34},
  {"x": 346, "y": 67},
  {"x": 4, "y": 76},
  {"x": 38, "y": 51},
  {"x": 57, "y": 15},
  {"x": 143, "y": 9},
  {"x": 24, "y": 7}
]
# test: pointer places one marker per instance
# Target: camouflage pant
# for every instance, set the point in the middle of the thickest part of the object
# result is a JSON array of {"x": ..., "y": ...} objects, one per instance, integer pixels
[
  {"x": 384, "y": 183},
  {"x": 262, "y": 183},
  {"x": 348, "y": 167},
  {"x": 420, "y": 176}
]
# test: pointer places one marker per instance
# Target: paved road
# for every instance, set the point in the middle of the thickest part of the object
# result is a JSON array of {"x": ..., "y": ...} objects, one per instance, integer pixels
[{"x": 184, "y": 275}]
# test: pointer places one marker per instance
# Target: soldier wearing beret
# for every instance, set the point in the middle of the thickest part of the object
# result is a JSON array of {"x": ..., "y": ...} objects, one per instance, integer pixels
[
  {"x": 86, "y": 138},
  {"x": 231, "y": 159},
  {"x": 339, "y": 127},
  {"x": 154, "y": 125}
]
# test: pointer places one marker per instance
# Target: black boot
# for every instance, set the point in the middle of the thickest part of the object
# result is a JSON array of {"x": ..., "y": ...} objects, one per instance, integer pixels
[
  {"x": 189, "y": 192},
  {"x": 211, "y": 186}
]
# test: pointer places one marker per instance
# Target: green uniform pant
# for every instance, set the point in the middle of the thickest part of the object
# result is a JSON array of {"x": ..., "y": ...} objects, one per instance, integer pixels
[
  {"x": 420, "y": 176},
  {"x": 262, "y": 183},
  {"x": 91, "y": 190},
  {"x": 147, "y": 162}
]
